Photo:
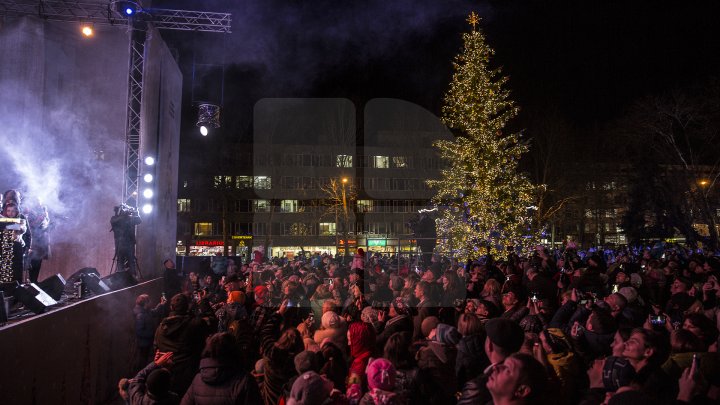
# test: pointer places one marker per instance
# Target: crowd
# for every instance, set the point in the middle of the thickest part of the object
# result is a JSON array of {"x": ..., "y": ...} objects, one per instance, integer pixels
[{"x": 559, "y": 326}]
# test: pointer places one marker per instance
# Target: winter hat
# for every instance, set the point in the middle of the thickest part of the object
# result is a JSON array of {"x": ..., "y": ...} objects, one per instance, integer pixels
[
  {"x": 428, "y": 324},
  {"x": 400, "y": 306},
  {"x": 629, "y": 293},
  {"x": 618, "y": 372},
  {"x": 505, "y": 333},
  {"x": 447, "y": 334},
  {"x": 237, "y": 297},
  {"x": 381, "y": 374},
  {"x": 330, "y": 320},
  {"x": 306, "y": 361},
  {"x": 261, "y": 293},
  {"x": 158, "y": 382},
  {"x": 309, "y": 389}
]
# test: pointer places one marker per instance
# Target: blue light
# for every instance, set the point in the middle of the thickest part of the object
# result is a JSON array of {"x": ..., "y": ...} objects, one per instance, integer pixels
[{"x": 129, "y": 10}]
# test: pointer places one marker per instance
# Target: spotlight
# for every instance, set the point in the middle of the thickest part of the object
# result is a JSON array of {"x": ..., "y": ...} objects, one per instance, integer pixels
[
  {"x": 87, "y": 30},
  {"x": 147, "y": 208},
  {"x": 126, "y": 8},
  {"x": 208, "y": 117},
  {"x": 148, "y": 193},
  {"x": 148, "y": 178},
  {"x": 149, "y": 160}
]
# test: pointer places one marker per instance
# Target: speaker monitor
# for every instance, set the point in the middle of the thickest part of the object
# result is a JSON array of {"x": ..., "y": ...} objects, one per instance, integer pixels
[
  {"x": 34, "y": 298},
  {"x": 93, "y": 283},
  {"x": 53, "y": 286},
  {"x": 119, "y": 280},
  {"x": 78, "y": 275}
]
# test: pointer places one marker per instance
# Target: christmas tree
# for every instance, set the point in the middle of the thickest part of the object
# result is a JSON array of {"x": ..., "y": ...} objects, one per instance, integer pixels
[{"x": 485, "y": 204}]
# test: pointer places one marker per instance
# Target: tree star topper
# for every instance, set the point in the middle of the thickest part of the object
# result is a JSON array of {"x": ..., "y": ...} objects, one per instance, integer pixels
[{"x": 473, "y": 19}]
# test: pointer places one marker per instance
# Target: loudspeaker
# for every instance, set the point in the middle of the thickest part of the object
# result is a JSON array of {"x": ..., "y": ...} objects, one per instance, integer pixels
[
  {"x": 9, "y": 288},
  {"x": 34, "y": 298},
  {"x": 53, "y": 286},
  {"x": 78, "y": 275},
  {"x": 92, "y": 282},
  {"x": 119, "y": 280}
]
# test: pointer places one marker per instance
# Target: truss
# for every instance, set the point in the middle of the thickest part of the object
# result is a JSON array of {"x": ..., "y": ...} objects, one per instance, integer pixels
[{"x": 103, "y": 13}]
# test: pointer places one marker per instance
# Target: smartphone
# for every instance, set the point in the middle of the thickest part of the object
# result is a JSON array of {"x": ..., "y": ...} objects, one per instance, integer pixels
[
  {"x": 327, "y": 281},
  {"x": 615, "y": 288},
  {"x": 291, "y": 304},
  {"x": 657, "y": 320},
  {"x": 534, "y": 298}
]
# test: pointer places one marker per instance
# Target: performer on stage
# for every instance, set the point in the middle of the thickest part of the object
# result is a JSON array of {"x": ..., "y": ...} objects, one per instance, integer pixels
[
  {"x": 38, "y": 223},
  {"x": 18, "y": 228},
  {"x": 123, "y": 227}
]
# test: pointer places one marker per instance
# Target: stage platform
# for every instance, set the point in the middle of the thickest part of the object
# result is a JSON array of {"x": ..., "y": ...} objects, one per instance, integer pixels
[{"x": 72, "y": 354}]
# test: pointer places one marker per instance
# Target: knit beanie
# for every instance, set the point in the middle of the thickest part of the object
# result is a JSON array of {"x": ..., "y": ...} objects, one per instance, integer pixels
[
  {"x": 309, "y": 389},
  {"x": 381, "y": 375},
  {"x": 158, "y": 382},
  {"x": 306, "y": 361}
]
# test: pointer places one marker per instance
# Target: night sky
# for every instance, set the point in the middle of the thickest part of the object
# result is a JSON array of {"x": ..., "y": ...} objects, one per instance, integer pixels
[{"x": 587, "y": 61}]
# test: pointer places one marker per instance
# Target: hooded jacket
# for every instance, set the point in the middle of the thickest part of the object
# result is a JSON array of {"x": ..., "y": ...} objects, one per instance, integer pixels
[
  {"x": 138, "y": 393},
  {"x": 183, "y": 335},
  {"x": 218, "y": 383}
]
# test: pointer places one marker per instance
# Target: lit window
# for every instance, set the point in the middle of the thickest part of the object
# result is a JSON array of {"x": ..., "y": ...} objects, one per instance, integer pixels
[
  {"x": 289, "y": 205},
  {"x": 263, "y": 183},
  {"x": 327, "y": 228},
  {"x": 203, "y": 229},
  {"x": 242, "y": 182},
  {"x": 261, "y": 205},
  {"x": 364, "y": 205},
  {"x": 399, "y": 161},
  {"x": 344, "y": 161},
  {"x": 183, "y": 205},
  {"x": 380, "y": 162}
]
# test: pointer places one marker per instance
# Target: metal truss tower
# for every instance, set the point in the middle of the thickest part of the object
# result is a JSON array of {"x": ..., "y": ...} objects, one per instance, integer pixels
[{"x": 110, "y": 13}]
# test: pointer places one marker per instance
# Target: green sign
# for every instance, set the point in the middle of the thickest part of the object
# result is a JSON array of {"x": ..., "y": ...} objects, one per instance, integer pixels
[{"x": 377, "y": 242}]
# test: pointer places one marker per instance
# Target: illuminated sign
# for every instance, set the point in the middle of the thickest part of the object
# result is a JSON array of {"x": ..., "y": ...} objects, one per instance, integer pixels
[
  {"x": 377, "y": 242},
  {"x": 350, "y": 242},
  {"x": 242, "y": 237},
  {"x": 209, "y": 243}
]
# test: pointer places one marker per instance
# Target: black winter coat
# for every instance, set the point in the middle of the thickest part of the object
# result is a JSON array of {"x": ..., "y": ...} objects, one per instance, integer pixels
[{"x": 221, "y": 384}]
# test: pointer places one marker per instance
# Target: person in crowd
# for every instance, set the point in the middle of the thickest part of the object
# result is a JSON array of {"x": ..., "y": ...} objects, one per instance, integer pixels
[
  {"x": 151, "y": 386},
  {"x": 380, "y": 375},
  {"x": 182, "y": 333},
  {"x": 424, "y": 308},
  {"x": 519, "y": 379},
  {"x": 646, "y": 351},
  {"x": 221, "y": 379},
  {"x": 471, "y": 359},
  {"x": 436, "y": 358},
  {"x": 278, "y": 348},
  {"x": 514, "y": 308},
  {"x": 310, "y": 388},
  {"x": 333, "y": 365},
  {"x": 219, "y": 264},
  {"x": 503, "y": 338},
  {"x": 333, "y": 328},
  {"x": 146, "y": 322},
  {"x": 172, "y": 279},
  {"x": 396, "y": 319},
  {"x": 361, "y": 341}
]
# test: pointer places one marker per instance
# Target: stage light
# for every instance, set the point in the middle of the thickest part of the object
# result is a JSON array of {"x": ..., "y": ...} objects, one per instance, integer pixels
[
  {"x": 147, "y": 208},
  {"x": 127, "y": 8},
  {"x": 148, "y": 178},
  {"x": 148, "y": 193},
  {"x": 149, "y": 160},
  {"x": 208, "y": 117},
  {"x": 87, "y": 30}
]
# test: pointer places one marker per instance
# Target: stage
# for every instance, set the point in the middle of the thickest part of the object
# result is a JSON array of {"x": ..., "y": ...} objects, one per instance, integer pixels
[{"x": 73, "y": 354}]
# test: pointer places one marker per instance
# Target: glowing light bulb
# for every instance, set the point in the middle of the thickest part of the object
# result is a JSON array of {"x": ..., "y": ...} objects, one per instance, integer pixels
[
  {"x": 203, "y": 130},
  {"x": 149, "y": 160},
  {"x": 87, "y": 30},
  {"x": 147, "y": 193},
  {"x": 148, "y": 178},
  {"x": 147, "y": 208}
]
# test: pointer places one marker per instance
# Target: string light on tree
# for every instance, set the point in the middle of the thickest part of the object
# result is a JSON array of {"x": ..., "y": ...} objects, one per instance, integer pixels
[{"x": 483, "y": 195}]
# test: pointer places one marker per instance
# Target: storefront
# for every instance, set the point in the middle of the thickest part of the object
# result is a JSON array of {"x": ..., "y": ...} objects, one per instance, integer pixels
[{"x": 239, "y": 245}]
